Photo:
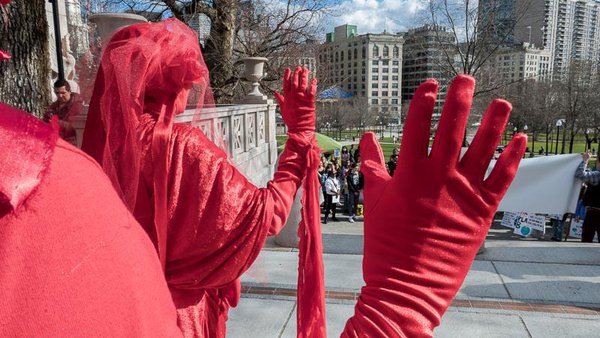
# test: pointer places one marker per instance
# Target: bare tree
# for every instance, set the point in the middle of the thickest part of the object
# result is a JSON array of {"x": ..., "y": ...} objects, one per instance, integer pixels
[
  {"x": 480, "y": 31},
  {"x": 24, "y": 81},
  {"x": 242, "y": 28},
  {"x": 578, "y": 92}
]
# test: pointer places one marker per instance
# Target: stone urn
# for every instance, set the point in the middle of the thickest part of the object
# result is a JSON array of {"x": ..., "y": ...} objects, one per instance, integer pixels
[
  {"x": 254, "y": 72},
  {"x": 108, "y": 23}
]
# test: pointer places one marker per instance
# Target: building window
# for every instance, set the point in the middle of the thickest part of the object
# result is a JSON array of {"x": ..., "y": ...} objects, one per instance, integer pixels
[
  {"x": 394, "y": 77},
  {"x": 374, "y": 101},
  {"x": 385, "y": 77},
  {"x": 375, "y": 70},
  {"x": 395, "y": 62},
  {"x": 386, "y": 51},
  {"x": 387, "y": 70},
  {"x": 395, "y": 70},
  {"x": 386, "y": 62},
  {"x": 395, "y": 93},
  {"x": 394, "y": 101},
  {"x": 337, "y": 57},
  {"x": 364, "y": 52},
  {"x": 384, "y": 93},
  {"x": 342, "y": 55},
  {"x": 375, "y": 77},
  {"x": 375, "y": 50},
  {"x": 374, "y": 93},
  {"x": 374, "y": 85},
  {"x": 384, "y": 85},
  {"x": 395, "y": 85},
  {"x": 355, "y": 53},
  {"x": 375, "y": 62},
  {"x": 396, "y": 52},
  {"x": 384, "y": 101}
]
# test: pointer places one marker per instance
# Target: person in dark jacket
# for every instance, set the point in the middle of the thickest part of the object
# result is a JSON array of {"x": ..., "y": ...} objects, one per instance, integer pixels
[
  {"x": 591, "y": 199},
  {"x": 354, "y": 185}
]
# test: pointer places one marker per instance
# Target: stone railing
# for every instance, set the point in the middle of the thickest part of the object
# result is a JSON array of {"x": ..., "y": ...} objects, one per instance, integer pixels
[{"x": 248, "y": 132}]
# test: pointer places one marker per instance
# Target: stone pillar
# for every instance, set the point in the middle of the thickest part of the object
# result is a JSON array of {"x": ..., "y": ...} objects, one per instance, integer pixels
[{"x": 288, "y": 237}]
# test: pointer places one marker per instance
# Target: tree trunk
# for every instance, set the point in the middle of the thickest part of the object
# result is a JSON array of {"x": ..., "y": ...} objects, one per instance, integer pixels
[
  {"x": 25, "y": 79},
  {"x": 218, "y": 52}
]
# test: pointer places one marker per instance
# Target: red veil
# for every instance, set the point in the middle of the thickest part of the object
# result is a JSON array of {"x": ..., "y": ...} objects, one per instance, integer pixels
[{"x": 149, "y": 65}]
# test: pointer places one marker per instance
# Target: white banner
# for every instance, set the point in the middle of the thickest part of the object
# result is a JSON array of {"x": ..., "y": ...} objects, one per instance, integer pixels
[{"x": 544, "y": 185}]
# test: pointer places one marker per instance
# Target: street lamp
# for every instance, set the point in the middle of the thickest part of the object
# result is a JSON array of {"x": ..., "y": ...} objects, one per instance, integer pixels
[
  {"x": 558, "y": 125},
  {"x": 57, "y": 38}
]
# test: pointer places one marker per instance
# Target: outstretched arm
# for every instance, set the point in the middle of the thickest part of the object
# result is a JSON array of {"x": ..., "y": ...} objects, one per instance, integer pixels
[
  {"x": 423, "y": 226},
  {"x": 297, "y": 106},
  {"x": 589, "y": 177}
]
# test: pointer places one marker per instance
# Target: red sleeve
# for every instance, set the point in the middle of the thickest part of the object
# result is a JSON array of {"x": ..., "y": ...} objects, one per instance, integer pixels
[{"x": 76, "y": 263}]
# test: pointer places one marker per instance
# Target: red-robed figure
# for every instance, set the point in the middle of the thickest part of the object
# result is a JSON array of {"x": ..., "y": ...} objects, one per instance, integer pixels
[{"x": 207, "y": 221}]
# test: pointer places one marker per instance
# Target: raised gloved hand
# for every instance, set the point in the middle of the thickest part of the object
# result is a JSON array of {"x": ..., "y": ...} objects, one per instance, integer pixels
[
  {"x": 298, "y": 102},
  {"x": 424, "y": 226}
]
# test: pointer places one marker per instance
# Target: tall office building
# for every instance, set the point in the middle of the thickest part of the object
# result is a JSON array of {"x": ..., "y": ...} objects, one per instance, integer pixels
[
  {"x": 427, "y": 53},
  {"x": 367, "y": 65}
]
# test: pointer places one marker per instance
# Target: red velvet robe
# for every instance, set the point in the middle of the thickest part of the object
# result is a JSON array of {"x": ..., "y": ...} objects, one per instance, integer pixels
[{"x": 217, "y": 222}]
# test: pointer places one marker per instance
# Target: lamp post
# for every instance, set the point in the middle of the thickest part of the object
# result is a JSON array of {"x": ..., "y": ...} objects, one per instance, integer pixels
[
  {"x": 532, "y": 150},
  {"x": 558, "y": 125},
  {"x": 57, "y": 41}
]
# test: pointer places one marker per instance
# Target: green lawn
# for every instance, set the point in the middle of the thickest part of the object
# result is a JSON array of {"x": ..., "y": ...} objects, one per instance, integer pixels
[{"x": 578, "y": 146}]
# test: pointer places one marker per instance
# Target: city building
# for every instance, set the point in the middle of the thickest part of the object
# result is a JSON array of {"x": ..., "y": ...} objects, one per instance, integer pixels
[
  {"x": 427, "y": 53},
  {"x": 569, "y": 29},
  {"x": 369, "y": 66},
  {"x": 524, "y": 62},
  {"x": 201, "y": 24}
]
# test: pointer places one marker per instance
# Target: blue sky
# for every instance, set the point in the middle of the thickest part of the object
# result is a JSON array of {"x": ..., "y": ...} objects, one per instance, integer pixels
[{"x": 373, "y": 16}]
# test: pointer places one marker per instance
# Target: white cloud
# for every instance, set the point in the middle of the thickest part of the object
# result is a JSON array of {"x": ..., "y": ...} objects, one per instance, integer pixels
[{"x": 375, "y": 16}]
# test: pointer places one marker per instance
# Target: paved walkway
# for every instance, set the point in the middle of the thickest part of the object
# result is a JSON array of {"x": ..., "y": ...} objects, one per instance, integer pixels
[{"x": 516, "y": 288}]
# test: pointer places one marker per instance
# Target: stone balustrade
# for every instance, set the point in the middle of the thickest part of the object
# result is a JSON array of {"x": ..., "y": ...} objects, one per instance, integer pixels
[{"x": 248, "y": 132}]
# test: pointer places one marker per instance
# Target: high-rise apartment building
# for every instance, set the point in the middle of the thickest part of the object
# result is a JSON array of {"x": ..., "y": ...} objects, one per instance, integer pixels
[
  {"x": 569, "y": 29},
  {"x": 427, "y": 53},
  {"x": 367, "y": 65}
]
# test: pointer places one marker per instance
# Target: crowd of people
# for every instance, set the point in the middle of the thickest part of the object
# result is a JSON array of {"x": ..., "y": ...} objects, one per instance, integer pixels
[{"x": 341, "y": 183}]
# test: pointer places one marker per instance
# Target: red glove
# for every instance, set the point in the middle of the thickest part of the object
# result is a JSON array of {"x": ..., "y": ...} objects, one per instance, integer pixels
[
  {"x": 298, "y": 105},
  {"x": 424, "y": 226},
  {"x": 300, "y": 160}
]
